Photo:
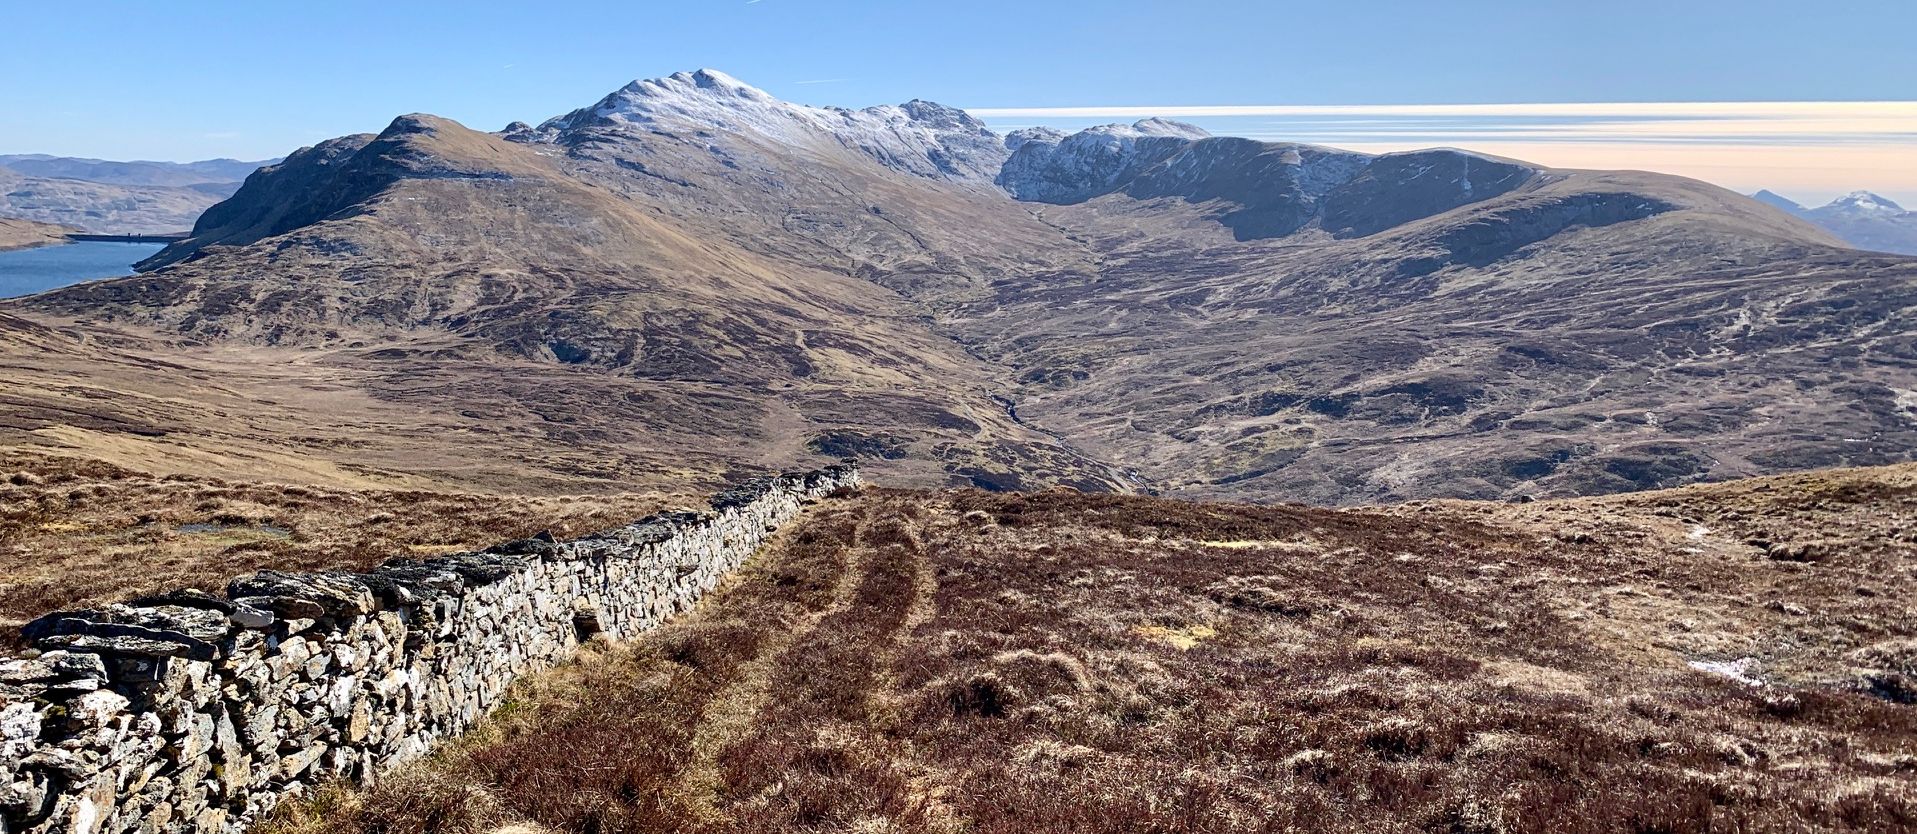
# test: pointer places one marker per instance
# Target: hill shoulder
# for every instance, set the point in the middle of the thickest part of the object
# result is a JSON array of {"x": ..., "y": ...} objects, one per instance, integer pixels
[{"x": 26, "y": 234}]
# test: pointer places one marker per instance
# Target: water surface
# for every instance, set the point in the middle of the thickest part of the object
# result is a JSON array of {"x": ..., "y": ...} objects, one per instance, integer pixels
[{"x": 28, "y": 271}]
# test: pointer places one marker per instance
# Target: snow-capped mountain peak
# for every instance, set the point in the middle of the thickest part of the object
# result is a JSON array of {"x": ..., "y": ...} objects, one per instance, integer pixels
[
  {"x": 709, "y": 82},
  {"x": 1864, "y": 201},
  {"x": 1146, "y": 127},
  {"x": 1023, "y": 136},
  {"x": 1166, "y": 127},
  {"x": 703, "y": 97},
  {"x": 715, "y": 80},
  {"x": 919, "y": 137},
  {"x": 1867, "y": 221}
]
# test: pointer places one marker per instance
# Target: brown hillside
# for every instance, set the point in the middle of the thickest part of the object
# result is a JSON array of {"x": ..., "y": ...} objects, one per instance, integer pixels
[
  {"x": 466, "y": 314},
  {"x": 1726, "y": 658},
  {"x": 23, "y": 234},
  {"x": 692, "y": 278},
  {"x": 77, "y": 532}
]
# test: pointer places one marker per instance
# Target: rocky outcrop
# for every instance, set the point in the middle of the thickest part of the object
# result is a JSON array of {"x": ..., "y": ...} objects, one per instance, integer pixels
[
  {"x": 1266, "y": 189},
  {"x": 190, "y": 712}
]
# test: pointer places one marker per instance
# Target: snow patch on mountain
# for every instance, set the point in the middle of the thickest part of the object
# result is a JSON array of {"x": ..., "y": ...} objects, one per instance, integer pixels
[
  {"x": 1864, "y": 201},
  {"x": 1049, "y": 167},
  {"x": 1167, "y": 127},
  {"x": 1866, "y": 221},
  {"x": 1019, "y": 138},
  {"x": 1257, "y": 189},
  {"x": 919, "y": 137}
]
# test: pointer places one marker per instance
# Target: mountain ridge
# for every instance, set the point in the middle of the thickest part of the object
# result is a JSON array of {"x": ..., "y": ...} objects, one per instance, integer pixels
[
  {"x": 1206, "y": 316},
  {"x": 109, "y": 197},
  {"x": 920, "y": 137},
  {"x": 1862, "y": 218},
  {"x": 132, "y": 172}
]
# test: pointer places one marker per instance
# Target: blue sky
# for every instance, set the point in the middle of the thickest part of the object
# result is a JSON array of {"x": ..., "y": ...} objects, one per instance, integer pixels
[{"x": 202, "y": 79}]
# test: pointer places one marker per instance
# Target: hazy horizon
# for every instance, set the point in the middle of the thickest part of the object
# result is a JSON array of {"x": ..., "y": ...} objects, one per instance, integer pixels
[
  {"x": 1810, "y": 152},
  {"x": 1538, "y": 82}
]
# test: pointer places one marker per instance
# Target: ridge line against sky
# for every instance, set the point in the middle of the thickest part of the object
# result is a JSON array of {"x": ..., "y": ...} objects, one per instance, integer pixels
[
  {"x": 247, "y": 80},
  {"x": 1811, "y": 151}
]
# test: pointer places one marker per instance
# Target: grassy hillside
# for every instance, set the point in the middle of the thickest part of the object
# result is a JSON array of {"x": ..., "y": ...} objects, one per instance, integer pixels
[
  {"x": 661, "y": 302},
  {"x": 75, "y": 532},
  {"x": 1736, "y": 657},
  {"x": 23, "y": 234}
]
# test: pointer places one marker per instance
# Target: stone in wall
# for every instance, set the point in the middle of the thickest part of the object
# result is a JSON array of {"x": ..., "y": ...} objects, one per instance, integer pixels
[{"x": 191, "y": 712}]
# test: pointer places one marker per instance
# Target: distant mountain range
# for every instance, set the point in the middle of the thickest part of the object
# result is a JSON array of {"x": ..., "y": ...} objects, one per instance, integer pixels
[
  {"x": 1862, "y": 219},
  {"x": 691, "y": 277},
  {"x": 98, "y": 195},
  {"x": 131, "y": 173}
]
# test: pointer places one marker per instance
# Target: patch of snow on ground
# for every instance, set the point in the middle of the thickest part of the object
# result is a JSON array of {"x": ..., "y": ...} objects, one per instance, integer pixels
[
  {"x": 1907, "y": 403},
  {"x": 1738, "y": 670},
  {"x": 1698, "y": 532}
]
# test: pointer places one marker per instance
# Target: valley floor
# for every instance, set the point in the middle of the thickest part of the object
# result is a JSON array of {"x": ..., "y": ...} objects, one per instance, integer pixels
[{"x": 1732, "y": 657}]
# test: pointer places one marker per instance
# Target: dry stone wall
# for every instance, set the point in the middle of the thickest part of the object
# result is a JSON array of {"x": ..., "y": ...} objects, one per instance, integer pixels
[{"x": 190, "y": 712}]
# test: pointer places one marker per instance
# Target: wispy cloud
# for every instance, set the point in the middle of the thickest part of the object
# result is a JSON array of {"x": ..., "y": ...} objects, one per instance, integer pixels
[
  {"x": 1813, "y": 122},
  {"x": 1664, "y": 108},
  {"x": 1817, "y": 147}
]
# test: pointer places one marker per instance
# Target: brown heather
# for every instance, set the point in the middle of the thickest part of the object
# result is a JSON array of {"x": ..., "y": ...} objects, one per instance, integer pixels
[{"x": 1058, "y": 662}]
